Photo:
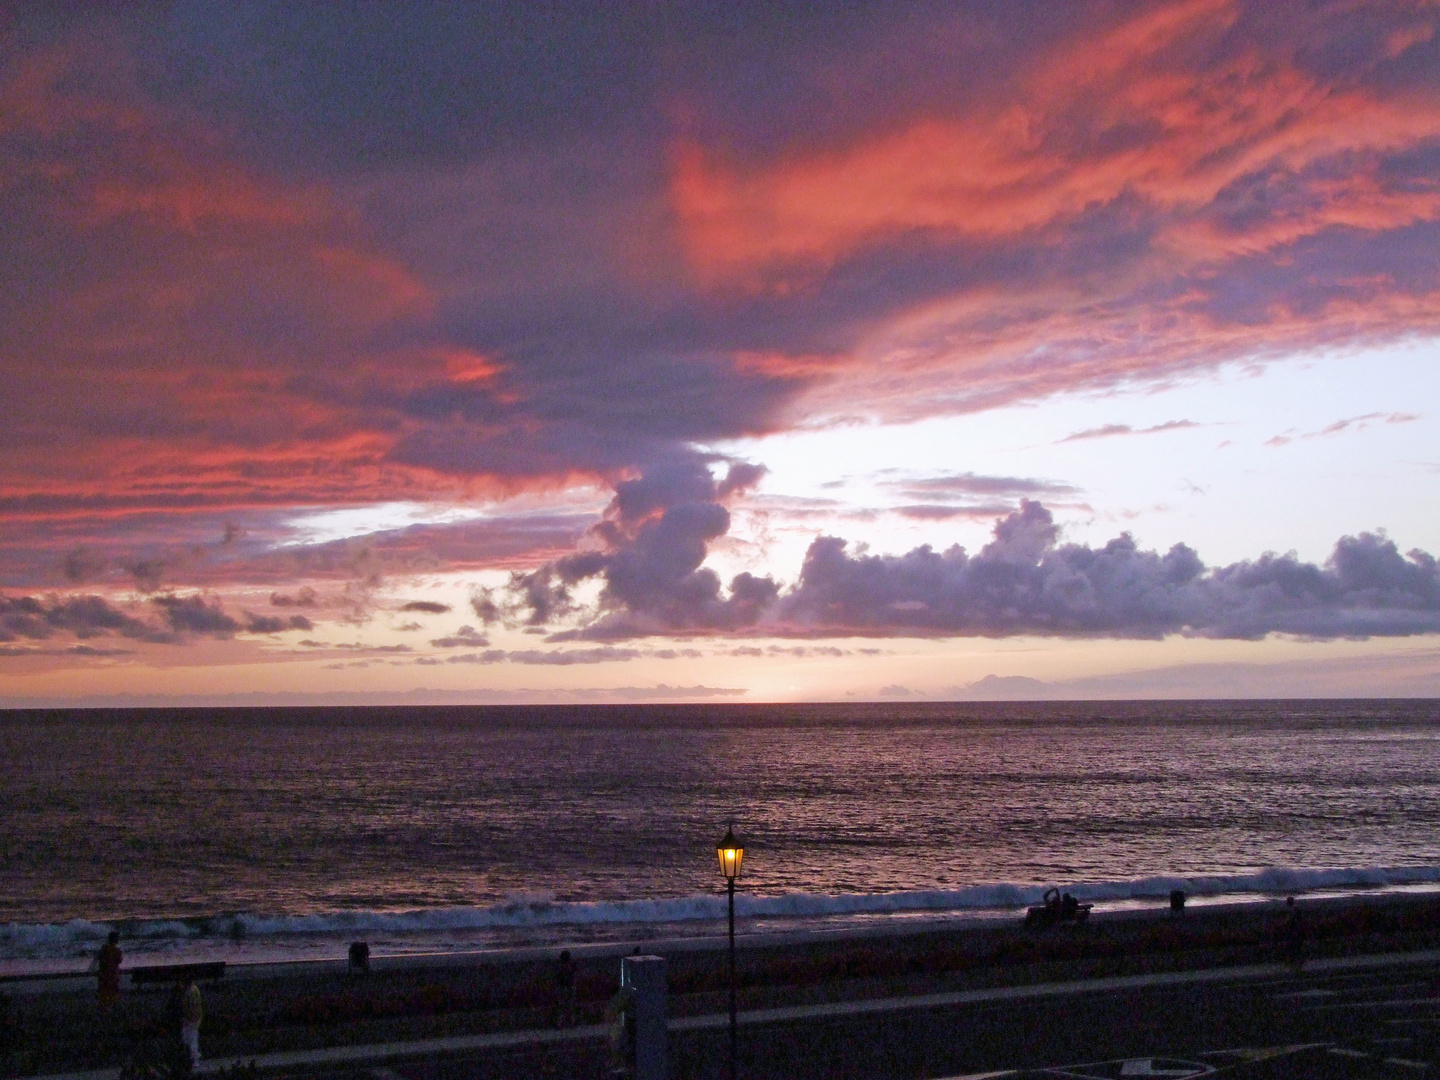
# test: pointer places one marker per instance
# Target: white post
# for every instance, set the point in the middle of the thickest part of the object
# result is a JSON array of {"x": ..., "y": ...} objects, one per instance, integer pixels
[{"x": 646, "y": 975}]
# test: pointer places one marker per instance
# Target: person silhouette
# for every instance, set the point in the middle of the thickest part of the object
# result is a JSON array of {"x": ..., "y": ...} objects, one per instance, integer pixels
[
  {"x": 191, "y": 1013},
  {"x": 1294, "y": 934},
  {"x": 107, "y": 966},
  {"x": 564, "y": 990}
]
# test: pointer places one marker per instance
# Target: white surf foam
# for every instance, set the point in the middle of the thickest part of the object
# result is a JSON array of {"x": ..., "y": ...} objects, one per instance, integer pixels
[{"x": 33, "y": 940}]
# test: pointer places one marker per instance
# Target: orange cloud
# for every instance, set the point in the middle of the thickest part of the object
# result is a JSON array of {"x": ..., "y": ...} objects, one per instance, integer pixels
[
  {"x": 466, "y": 365},
  {"x": 390, "y": 289},
  {"x": 189, "y": 201},
  {"x": 777, "y": 365},
  {"x": 147, "y": 377},
  {"x": 191, "y": 329},
  {"x": 39, "y": 97},
  {"x": 992, "y": 347},
  {"x": 1128, "y": 113},
  {"x": 143, "y": 161}
]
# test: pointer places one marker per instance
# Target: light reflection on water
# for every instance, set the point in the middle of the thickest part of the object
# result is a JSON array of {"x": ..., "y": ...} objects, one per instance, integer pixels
[{"x": 151, "y": 815}]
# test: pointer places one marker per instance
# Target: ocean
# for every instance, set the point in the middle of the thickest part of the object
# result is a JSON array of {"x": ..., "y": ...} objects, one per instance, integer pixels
[{"x": 264, "y": 834}]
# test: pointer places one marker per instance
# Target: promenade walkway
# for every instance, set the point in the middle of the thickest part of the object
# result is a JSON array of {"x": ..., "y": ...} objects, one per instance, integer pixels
[{"x": 378, "y": 1054}]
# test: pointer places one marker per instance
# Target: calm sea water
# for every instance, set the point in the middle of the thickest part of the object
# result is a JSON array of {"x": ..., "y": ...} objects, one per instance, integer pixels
[{"x": 280, "y": 832}]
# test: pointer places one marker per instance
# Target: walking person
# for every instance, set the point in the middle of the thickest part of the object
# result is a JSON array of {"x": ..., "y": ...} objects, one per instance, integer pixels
[
  {"x": 9, "y": 1029},
  {"x": 564, "y": 990},
  {"x": 1294, "y": 935},
  {"x": 191, "y": 1013},
  {"x": 107, "y": 966}
]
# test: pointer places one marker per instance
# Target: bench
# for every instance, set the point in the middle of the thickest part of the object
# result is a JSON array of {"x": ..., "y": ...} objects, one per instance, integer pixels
[{"x": 170, "y": 973}]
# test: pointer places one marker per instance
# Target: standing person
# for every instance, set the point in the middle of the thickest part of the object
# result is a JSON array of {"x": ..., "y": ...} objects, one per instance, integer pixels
[
  {"x": 191, "y": 1013},
  {"x": 359, "y": 957},
  {"x": 1294, "y": 935},
  {"x": 107, "y": 965},
  {"x": 9, "y": 1026},
  {"x": 565, "y": 990}
]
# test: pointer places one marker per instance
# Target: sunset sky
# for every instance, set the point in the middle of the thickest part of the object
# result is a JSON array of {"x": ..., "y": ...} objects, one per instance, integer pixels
[{"x": 614, "y": 352}]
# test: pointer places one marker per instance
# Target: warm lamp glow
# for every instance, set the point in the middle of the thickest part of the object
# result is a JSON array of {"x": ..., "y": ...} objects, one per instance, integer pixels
[{"x": 731, "y": 853}]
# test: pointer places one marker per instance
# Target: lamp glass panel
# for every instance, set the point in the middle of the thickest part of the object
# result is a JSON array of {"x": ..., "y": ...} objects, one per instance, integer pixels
[{"x": 730, "y": 854}]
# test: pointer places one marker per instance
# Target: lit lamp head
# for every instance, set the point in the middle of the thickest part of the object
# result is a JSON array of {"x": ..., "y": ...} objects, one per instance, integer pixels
[{"x": 731, "y": 853}]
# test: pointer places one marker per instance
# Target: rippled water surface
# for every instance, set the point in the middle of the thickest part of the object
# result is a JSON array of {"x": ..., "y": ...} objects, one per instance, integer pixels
[{"x": 152, "y": 814}]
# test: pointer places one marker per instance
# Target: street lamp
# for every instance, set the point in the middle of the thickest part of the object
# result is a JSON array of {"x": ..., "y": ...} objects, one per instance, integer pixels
[{"x": 731, "y": 853}]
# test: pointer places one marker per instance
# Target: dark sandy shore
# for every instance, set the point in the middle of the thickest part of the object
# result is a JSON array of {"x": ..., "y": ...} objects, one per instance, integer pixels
[{"x": 260, "y": 1008}]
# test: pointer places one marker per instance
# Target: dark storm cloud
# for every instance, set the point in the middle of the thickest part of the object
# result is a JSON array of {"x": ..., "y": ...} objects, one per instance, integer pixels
[
  {"x": 274, "y": 624},
  {"x": 600, "y": 412},
  {"x": 269, "y": 555},
  {"x": 305, "y": 597},
  {"x": 1026, "y": 582},
  {"x": 483, "y": 603},
  {"x": 657, "y": 531},
  {"x": 146, "y": 573},
  {"x": 193, "y": 614},
  {"x": 80, "y": 566},
  {"x": 654, "y": 538},
  {"x": 84, "y": 616},
  {"x": 448, "y": 83},
  {"x": 467, "y": 637},
  {"x": 181, "y": 618}
]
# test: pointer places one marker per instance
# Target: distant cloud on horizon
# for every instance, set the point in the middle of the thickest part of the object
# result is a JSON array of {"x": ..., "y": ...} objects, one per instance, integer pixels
[
  {"x": 1353, "y": 422},
  {"x": 1110, "y": 430},
  {"x": 1410, "y": 674}
]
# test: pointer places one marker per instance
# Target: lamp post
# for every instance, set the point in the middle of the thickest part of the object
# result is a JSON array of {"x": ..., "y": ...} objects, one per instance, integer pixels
[{"x": 731, "y": 853}]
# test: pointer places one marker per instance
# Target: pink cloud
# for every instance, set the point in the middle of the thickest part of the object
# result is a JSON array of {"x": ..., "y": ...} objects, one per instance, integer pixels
[
  {"x": 218, "y": 309},
  {"x": 1053, "y": 151},
  {"x": 1110, "y": 430},
  {"x": 1234, "y": 173}
]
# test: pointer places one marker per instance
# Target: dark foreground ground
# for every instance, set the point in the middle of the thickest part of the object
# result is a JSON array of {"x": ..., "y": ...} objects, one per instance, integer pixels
[
  {"x": 1376, "y": 1024},
  {"x": 1361, "y": 1019}
]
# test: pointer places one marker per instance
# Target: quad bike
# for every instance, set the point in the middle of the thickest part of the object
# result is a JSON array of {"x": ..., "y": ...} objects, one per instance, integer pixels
[{"x": 1057, "y": 908}]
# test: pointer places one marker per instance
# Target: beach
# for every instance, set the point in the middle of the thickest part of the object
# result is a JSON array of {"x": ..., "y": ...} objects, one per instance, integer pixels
[{"x": 263, "y": 1008}]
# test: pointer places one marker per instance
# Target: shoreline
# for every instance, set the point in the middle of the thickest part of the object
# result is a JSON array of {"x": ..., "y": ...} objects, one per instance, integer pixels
[
  {"x": 287, "y": 1008},
  {"x": 878, "y": 928},
  {"x": 244, "y": 936}
]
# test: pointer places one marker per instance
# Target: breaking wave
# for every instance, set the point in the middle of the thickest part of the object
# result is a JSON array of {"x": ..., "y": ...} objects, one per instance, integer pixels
[{"x": 539, "y": 910}]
